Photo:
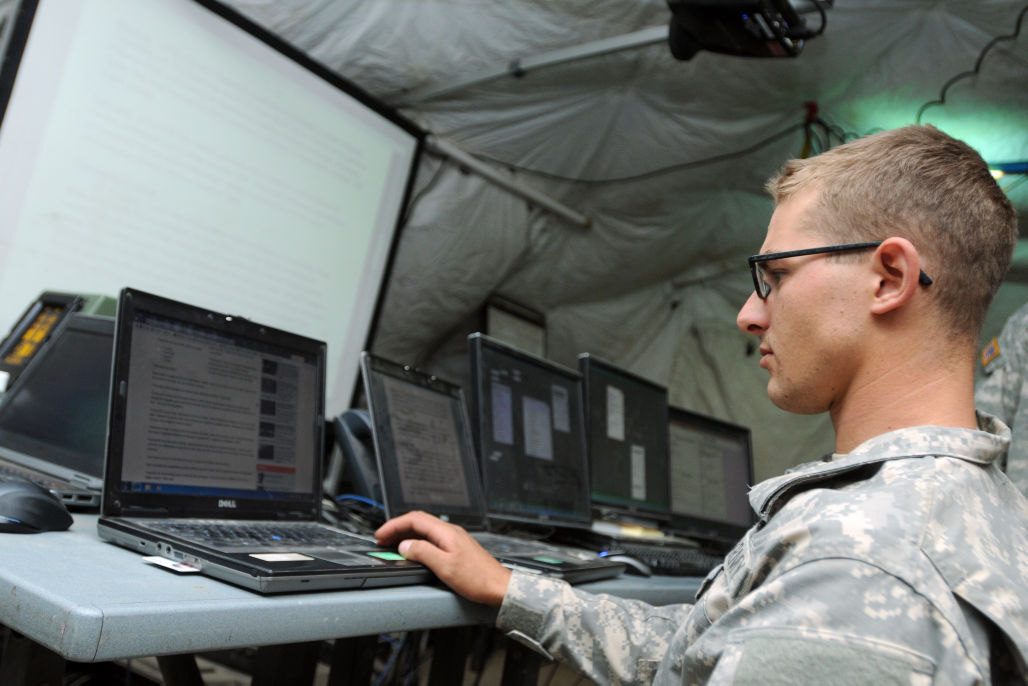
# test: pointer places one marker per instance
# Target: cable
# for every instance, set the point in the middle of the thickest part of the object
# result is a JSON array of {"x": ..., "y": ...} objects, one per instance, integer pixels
[
  {"x": 423, "y": 191},
  {"x": 357, "y": 513},
  {"x": 977, "y": 65},
  {"x": 829, "y": 129},
  {"x": 389, "y": 663},
  {"x": 655, "y": 172},
  {"x": 359, "y": 499},
  {"x": 832, "y": 130}
]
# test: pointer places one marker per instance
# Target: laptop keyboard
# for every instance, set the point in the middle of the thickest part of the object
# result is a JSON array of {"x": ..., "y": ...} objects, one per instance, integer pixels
[
  {"x": 256, "y": 534},
  {"x": 507, "y": 544},
  {"x": 670, "y": 560}
]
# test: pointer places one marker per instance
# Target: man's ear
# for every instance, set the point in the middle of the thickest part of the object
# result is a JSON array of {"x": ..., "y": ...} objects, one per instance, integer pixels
[{"x": 898, "y": 268}]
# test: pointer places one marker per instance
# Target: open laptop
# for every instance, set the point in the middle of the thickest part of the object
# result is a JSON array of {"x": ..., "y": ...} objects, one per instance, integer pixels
[
  {"x": 711, "y": 475},
  {"x": 426, "y": 461},
  {"x": 215, "y": 432},
  {"x": 53, "y": 419}
]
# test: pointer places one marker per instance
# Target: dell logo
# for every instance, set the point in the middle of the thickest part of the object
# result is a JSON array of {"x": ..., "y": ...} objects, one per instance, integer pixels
[{"x": 227, "y": 503}]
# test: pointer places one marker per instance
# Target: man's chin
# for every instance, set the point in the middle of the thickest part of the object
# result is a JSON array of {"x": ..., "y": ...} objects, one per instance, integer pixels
[{"x": 793, "y": 402}]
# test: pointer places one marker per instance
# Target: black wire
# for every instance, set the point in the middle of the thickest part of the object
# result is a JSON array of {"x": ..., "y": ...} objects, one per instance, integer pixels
[
  {"x": 815, "y": 129},
  {"x": 416, "y": 198},
  {"x": 833, "y": 130},
  {"x": 977, "y": 65},
  {"x": 655, "y": 172}
]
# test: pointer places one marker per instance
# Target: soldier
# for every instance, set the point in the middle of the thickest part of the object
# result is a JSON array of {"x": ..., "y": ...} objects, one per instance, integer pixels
[
  {"x": 1002, "y": 391},
  {"x": 902, "y": 556}
]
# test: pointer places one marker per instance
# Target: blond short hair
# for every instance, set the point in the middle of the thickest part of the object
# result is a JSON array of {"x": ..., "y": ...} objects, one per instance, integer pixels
[{"x": 921, "y": 184}]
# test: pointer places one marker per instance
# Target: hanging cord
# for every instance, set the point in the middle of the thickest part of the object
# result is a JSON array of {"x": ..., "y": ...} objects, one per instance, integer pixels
[
  {"x": 977, "y": 65},
  {"x": 655, "y": 172}
]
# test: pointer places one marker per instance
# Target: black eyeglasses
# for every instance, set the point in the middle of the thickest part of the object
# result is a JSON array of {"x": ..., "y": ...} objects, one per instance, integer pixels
[{"x": 763, "y": 288}]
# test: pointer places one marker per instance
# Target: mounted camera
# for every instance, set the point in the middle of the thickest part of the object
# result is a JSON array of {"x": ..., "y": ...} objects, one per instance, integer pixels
[{"x": 745, "y": 28}]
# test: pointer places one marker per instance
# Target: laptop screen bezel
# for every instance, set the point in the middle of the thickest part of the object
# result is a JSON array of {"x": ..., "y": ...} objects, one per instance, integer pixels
[
  {"x": 597, "y": 374},
  {"x": 50, "y": 454},
  {"x": 117, "y": 501},
  {"x": 474, "y": 516},
  {"x": 477, "y": 344},
  {"x": 694, "y": 525}
]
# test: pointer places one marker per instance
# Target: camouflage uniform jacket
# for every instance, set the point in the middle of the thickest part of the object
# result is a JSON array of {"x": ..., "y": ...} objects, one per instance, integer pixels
[
  {"x": 905, "y": 561},
  {"x": 1002, "y": 391}
]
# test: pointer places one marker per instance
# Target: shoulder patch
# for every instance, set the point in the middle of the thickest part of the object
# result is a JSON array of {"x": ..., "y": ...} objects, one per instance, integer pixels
[{"x": 990, "y": 352}]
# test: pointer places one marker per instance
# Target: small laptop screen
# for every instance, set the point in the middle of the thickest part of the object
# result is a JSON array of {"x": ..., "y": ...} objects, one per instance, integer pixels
[
  {"x": 423, "y": 443},
  {"x": 58, "y": 409},
  {"x": 210, "y": 413},
  {"x": 711, "y": 473},
  {"x": 529, "y": 433},
  {"x": 626, "y": 425}
]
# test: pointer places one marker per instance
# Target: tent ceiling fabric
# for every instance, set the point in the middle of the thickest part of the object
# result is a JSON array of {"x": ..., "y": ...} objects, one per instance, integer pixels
[{"x": 667, "y": 158}]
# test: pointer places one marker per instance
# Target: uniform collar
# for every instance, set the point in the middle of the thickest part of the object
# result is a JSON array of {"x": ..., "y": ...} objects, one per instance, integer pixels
[{"x": 982, "y": 446}]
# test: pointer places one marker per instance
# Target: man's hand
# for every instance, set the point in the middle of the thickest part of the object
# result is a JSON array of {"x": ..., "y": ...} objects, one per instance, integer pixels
[{"x": 450, "y": 552}]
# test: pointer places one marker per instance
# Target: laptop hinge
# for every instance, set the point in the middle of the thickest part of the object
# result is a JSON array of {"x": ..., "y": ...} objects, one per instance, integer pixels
[
  {"x": 136, "y": 511},
  {"x": 294, "y": 515}
]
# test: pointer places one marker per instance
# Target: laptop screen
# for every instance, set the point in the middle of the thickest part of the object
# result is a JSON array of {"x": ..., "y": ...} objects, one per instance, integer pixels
[
  {"x": 711, "y": 473},
  {"x": 214, "y": 407},
  {"x": 423, "y": 443},
  {"x": 58, "y": 409},
  {"x": 529, "y": 434},
  {"x": 627, "y": 439}
]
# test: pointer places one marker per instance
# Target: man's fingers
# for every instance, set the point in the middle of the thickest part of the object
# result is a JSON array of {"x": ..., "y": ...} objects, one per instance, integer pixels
[
  {"x": 418, "y": 523},
  {"x": 420, "y": 550},
  {"x": 455, "y": 558}
]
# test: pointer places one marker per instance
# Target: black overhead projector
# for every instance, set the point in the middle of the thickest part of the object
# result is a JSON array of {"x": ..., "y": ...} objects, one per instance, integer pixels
[{"x": 746, "y": 28}]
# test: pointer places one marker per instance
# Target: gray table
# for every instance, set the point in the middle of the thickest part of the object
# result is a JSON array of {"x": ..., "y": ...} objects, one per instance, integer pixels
[{"x": 90, "y": 601}]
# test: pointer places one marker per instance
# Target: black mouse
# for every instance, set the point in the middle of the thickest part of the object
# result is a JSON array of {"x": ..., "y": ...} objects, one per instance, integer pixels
[{"x": 27, "y": 508}]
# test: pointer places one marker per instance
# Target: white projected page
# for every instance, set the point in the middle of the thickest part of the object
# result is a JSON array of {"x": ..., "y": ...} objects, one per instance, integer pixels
[
  {"x": 209, "y": 414},
  {"x": 155, "y": 145}
]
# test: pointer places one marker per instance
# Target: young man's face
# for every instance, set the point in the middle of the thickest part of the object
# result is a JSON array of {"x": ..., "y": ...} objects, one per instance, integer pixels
[{"x": 809, "y": 324}]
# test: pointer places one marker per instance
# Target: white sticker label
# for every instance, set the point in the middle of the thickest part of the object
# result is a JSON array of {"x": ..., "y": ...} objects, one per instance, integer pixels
[
  {"x": 561, "y": 409},
  {"x": 537, "y": 428},
  {"x": 615, "y": 413},
  {"x": 503, "y": 414},
  {"x": 638, "y": 472},
  {"x": 281, "y": 557},
  {"x": 173, "y": 565}
]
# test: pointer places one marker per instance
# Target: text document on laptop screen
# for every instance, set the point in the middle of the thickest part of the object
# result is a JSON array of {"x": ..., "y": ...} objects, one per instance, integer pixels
[
  {"x": 211, "y": 414},
  {"x": 160, "y": 146}
]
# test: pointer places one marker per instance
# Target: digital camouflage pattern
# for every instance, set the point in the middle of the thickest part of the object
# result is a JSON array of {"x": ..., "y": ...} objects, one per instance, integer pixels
[
  {"x": 905, "y": 561},
  {"x": 1002, "y": 391}
]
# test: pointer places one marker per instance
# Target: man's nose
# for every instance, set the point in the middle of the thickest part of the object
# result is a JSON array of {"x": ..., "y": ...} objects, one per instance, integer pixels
[{"x": 752, "y": 317}]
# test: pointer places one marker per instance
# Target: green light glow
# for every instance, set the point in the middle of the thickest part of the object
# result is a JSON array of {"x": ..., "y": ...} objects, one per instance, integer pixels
[{"x": 996, "y": 130}]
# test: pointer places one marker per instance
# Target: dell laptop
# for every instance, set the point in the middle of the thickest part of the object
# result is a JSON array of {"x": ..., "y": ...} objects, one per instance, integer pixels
[{"x": 214, "y": 453}]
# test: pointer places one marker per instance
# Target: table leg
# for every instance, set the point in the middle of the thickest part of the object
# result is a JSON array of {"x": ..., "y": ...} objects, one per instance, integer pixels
[
  {"x": 286, "y": 665},
  {"x": 24, "y": 662},
  {"x": 353, "y": 660},
  {"x": 520, "y": 665},
  {"x": 450, "y": 648},
  {"x": 179, "y": 670}
]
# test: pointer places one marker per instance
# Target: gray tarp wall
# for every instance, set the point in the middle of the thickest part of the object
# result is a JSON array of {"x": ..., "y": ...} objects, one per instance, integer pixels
[{"x": 666, "y": 158}]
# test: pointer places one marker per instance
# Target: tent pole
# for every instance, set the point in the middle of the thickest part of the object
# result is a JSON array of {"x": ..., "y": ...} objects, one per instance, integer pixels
[
  {"x": 518, "y": 67},
  {"x": 492, "y": 175}
]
